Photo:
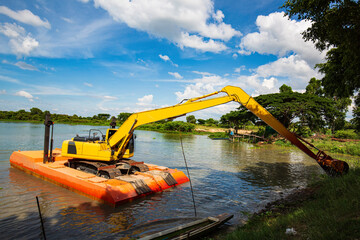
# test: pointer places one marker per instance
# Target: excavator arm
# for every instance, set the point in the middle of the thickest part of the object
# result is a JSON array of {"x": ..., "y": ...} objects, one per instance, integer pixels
[{"x": 117, "y": 143}]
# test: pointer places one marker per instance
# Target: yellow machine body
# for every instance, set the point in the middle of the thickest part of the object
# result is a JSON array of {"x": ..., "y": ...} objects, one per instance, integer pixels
[{"x": 93, "y": 150}]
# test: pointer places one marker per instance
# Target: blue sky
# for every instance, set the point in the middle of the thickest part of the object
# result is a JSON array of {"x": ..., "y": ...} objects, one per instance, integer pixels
[{"x": 87, "y": 57}]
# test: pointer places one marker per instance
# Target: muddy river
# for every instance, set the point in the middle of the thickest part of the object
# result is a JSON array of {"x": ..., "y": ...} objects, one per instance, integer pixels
[{"x": 237, "y": 178}]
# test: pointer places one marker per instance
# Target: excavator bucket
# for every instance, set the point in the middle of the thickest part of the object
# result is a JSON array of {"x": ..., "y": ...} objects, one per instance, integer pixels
[{"x": 333, "y": 167}]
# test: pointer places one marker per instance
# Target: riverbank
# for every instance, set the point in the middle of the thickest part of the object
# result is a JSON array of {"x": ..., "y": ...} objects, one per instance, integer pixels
[
  {"x": 327, "y": 209},
  {"x": 330, "y": 145}
]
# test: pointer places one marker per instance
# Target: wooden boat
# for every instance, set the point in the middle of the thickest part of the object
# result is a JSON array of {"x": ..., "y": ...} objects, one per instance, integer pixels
[{"x": 191, "y": 230}]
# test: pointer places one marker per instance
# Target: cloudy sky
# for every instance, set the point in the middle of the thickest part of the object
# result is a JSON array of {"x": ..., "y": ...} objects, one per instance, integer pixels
[{"x": 87, "y": 57}]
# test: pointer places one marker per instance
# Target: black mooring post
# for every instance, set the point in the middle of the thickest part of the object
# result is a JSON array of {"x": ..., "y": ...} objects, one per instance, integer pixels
[
  {"x": 51, "y": 143},
  {"x": 113, "y": 122},
  {"x": 42, "y": 222},
  {"x": 47, "y": 124}
]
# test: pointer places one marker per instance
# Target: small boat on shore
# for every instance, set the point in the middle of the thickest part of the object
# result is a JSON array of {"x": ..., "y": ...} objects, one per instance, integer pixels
[{"x": 191, "y": 230}]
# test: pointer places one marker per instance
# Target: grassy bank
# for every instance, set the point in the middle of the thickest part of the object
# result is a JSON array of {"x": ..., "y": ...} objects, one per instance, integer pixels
[
  {"x": 330, "y": 146},
  {"x": 328, "y": 209}
]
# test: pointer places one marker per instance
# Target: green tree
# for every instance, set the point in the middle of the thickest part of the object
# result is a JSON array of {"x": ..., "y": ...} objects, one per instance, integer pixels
[
  {"x": 211, "y": 122},
  {"x": 314, "y": 87},
  {"x": 103, "y": 116},
  {"x": 201, "y": 121},
  {"x": 285, "y": 89},
  {"x": 335, "y": 25},
  {"x": 36, "y": 111},
  {"x": 237, "y": 118},
  {"x": 191, "y": 119},
  {"x": 337, "y": 121},
  {"x": 123, "y": 116}
]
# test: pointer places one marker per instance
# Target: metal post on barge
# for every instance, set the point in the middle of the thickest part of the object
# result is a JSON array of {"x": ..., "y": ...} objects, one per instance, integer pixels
[{"x": 48, "y": 122}]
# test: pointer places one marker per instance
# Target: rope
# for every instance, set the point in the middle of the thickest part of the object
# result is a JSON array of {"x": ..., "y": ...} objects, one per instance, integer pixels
[{"x": 187, "y": 169}]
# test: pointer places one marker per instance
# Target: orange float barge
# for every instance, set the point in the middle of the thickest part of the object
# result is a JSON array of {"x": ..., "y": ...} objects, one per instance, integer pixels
[{"x": 112, "y": 191}]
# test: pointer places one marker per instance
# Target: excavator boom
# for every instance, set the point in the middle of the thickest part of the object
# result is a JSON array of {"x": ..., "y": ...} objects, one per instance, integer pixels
[{"x": 115, "y": 146}]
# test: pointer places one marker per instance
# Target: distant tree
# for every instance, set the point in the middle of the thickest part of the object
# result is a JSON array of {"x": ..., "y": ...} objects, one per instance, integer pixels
[
  {"x": 103, "y": 116},
  {"x": 237, "y": 118},
  {"x": 22, "y": 115},
  {"x": 314, "y": 87},
  {"x": 201, "y": 121},
  {"x": 36, "y": 111},
  {"x": 123, "y": 116},
  {"x": 191, "y": 119},
  {"x": 211, "y": 122},
  {"x": 285, "y": 89}
]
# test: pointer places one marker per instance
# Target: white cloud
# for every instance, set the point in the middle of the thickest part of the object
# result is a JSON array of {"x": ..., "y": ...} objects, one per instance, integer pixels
[
  {"x": 3, "y": 92},
  {"x": 164, "y": 57},
  {"x": 280, "y": 36},
  {"x": 22, "y": 65},
  {"x": 244, "y": 52},
  {"x": 9, "y": 79},
  {"x": 20, "y": 42},
  {"x": 208, "y": 83},
  {"x": 269, "y": 83},
  {"x": 203, "y": 73},
  {"x": 25, "y": 16},
  {"x": 23, "y": 45},
  {"x": 239, "y": 69},
  {"x": 88, "y": 84},
  {"x": 25, "y": 95},
  {"x": 68, "y": 20},
  {"x": 184, "y": 22},
  {"x": 295, "y": 69},
  {"x": 109, "y": 98},
  {"x": 218, "y": 16},
  {"x": 202, "y": 86},
  {"x": 194, "y": 41},
  {"x": 234, "y": 56},
  {"x": 257, "y": 85},
  {"x": 26, "y": 66},
  {"x": 176, "y": 75},
  {"x": 145, "y": 101}
]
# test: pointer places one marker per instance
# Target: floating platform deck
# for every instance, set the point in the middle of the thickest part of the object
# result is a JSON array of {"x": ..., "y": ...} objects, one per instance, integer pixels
[{"x": 112, "y": 191}]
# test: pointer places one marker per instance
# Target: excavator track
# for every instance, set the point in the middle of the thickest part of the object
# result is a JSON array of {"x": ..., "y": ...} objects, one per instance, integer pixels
[
  {"x": 139, "y": 166},
  {"x": 109, "y": 170},
  {"x": 98, "y": 168}
]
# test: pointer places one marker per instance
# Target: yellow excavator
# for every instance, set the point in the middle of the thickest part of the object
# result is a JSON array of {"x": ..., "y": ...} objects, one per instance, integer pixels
[{"x": 107, "y": 155}]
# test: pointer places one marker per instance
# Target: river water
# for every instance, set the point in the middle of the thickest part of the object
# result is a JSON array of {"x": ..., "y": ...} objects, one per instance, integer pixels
[{"x": 237, "y": 178}]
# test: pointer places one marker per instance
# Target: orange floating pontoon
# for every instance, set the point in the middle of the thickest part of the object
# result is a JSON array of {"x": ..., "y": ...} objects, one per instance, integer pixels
[{"x": 113, "y": 191}]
